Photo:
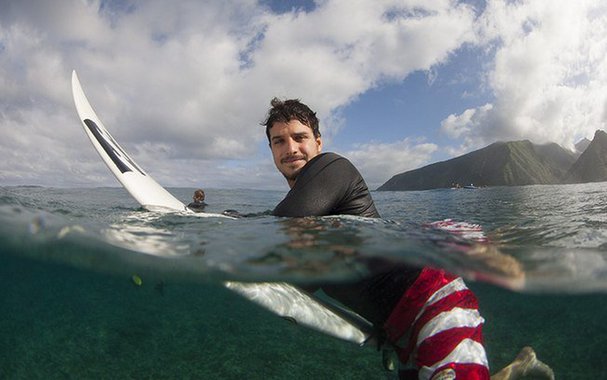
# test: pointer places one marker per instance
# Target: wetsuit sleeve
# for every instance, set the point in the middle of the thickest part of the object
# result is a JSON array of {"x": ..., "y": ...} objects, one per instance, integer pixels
[{"x": 328, "y": 185}]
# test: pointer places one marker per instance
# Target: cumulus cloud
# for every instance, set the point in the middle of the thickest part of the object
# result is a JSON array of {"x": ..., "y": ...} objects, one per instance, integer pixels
[
  {"x": 188, "y": 83},
  {"x": 548, "y": 76},
  {"x": 185, "y": 85},
  {"x": 469, "y": 120}
]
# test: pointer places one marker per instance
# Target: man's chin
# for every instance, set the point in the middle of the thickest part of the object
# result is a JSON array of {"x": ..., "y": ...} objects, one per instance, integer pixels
[{"x": 291, "y": 175}]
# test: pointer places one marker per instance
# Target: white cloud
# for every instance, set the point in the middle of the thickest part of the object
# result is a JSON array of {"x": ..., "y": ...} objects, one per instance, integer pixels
[
  {"x": 469, "y": 120},
  {"x": 185, "y": 85},
  {"x": 549, "y": 75},
  {"x": 378, "y": 162},
  {"x": 189, "y": 82}
]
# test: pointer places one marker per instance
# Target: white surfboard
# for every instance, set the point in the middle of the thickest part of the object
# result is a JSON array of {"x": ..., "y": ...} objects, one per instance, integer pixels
[
  {"x": 135, "y": 180},
  {"x": 280, "y": 298}
]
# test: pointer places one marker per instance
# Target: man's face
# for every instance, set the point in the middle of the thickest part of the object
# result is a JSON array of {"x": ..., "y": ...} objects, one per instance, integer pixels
[{"x": 293, "y": 144}]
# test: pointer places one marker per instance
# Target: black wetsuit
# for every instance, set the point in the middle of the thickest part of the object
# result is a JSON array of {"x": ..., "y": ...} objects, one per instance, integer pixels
[
  {"x": 197, "y": 206},
  {"x": 330, "y": 185}
]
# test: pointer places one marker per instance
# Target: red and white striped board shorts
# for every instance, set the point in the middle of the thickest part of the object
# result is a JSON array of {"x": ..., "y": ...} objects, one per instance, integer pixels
[{"x": 436, "y": 329}]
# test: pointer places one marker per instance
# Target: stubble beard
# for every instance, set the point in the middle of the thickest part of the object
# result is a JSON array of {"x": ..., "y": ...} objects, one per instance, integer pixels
[{"x": 292, "y": 175}]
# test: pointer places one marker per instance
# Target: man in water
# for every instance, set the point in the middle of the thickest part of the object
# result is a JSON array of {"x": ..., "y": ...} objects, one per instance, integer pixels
[
  {"x": 429, "y": 317},
  {"x": 197, "y": 204}
]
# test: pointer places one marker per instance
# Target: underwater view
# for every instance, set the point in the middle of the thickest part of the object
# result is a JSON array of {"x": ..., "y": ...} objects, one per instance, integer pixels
[{"x": 96, "y": 287}]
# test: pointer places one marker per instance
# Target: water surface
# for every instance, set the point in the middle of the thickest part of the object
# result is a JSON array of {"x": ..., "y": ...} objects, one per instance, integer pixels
[{"x": 71, "y": 309}]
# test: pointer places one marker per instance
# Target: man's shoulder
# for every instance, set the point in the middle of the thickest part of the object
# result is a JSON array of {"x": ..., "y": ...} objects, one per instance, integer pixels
[
  {"x": 333, "y": 156},
  {"x": 197, "y": 205},
  {"x": 328, "y": 158},
  {"x": 325, "y": 163}
]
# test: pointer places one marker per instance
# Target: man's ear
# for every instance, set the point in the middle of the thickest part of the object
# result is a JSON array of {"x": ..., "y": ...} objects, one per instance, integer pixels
[{"x": 319, "y": 143}]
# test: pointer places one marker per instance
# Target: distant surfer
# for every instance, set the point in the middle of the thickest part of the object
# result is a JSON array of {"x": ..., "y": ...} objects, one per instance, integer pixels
[
  {"x": 429, "y": 317},
  {"x": 197, "y": 204}
]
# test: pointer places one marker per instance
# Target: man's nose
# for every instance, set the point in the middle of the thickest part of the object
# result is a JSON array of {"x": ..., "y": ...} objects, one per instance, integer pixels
[{"x": 291, "y": 145}]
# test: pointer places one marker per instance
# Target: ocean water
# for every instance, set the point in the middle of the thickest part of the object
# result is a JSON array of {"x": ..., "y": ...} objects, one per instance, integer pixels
[{"x": 71, "y": 307}]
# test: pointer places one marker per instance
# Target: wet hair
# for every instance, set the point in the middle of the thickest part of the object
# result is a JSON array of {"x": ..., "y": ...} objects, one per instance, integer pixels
[
  {"x": 199, "y": 194},
  {"x": 283, "y": 111}
]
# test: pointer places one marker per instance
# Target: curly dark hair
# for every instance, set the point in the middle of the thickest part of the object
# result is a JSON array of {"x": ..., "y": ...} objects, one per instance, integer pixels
[{"x": 283, "y": 111}]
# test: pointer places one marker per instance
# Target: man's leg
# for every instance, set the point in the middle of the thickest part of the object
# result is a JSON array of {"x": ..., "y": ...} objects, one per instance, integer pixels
[{"x": 437, "y": 328}]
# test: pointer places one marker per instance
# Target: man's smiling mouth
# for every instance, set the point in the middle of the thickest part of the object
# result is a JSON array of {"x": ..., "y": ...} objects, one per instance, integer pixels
[{"x": 289, "y": 160}]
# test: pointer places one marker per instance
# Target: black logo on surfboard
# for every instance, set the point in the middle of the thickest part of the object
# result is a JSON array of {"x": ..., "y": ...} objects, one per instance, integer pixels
[{"x": 117, "y": 155}]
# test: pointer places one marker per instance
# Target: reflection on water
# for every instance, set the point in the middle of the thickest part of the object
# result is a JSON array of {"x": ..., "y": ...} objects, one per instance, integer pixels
[{"x": 537, "y": 238}]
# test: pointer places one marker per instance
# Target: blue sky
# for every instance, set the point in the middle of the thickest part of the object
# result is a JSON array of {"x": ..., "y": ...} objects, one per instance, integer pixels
[
  {"x": 415, "y": 106},
  {"x": 398, "y": 84}
]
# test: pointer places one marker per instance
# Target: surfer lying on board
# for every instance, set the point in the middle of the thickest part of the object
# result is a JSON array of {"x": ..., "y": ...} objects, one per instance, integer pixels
[{"x": 429, "y": 317}]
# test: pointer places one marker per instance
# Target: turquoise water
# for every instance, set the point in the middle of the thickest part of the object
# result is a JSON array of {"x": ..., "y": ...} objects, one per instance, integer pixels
[{"x": 71, "y": 310}]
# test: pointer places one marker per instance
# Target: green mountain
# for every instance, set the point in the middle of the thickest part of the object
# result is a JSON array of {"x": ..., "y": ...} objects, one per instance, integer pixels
[
  {"x": 499, "y": 164},
  {"x": 581, "y": 146},
  {"x": 591, "y": 166}
]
